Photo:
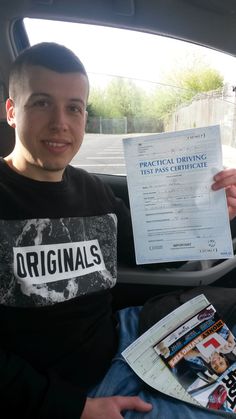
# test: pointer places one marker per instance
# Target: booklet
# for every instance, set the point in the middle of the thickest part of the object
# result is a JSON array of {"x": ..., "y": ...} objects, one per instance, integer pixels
[
  {"x": 175, "y": 213},
  {"x": 190, "y": 355}
]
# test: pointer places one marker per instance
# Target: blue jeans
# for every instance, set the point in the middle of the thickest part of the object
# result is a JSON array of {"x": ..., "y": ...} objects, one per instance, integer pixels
[{"x": 121, "y": 380}]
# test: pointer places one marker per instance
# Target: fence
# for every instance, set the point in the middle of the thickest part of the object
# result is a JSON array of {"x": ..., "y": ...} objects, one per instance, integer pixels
[
  {"x": 125, "y": 125},
  {"x": 216, "y": 107}
]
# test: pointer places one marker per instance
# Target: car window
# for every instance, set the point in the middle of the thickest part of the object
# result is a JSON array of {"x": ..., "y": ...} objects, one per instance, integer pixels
[{"x": 144, "y": 83}]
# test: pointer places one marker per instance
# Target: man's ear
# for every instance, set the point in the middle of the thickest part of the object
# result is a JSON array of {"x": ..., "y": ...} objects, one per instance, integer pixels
[{"x": 10, "y": 110}]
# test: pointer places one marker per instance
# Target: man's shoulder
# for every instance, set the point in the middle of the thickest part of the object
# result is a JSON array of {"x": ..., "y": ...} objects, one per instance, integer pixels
[{"x": 2, "y": 164}]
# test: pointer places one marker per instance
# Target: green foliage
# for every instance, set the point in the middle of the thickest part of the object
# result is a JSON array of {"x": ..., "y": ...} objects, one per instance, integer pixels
[
  {"x": 204, "y": 80},
  {"x": 195, "y": 81},
  {"x": 97, "y": 103},
  {"x": 121, "y": 98},
  {"x": 183, "y": 87}
]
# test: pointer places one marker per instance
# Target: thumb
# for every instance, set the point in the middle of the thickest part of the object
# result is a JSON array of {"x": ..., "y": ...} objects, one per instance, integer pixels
[{"x": 142, "y": 406}]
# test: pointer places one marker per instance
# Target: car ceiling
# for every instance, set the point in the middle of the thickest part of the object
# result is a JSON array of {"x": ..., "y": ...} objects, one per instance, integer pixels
[{"x": 207, "y": 22}]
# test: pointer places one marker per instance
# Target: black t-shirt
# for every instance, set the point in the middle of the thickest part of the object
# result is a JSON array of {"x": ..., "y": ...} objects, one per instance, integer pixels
[{"x": 58, "y": 247}]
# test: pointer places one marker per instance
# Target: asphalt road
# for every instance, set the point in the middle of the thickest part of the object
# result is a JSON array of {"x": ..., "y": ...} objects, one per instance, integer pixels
[{"x": 101, "y": 153}]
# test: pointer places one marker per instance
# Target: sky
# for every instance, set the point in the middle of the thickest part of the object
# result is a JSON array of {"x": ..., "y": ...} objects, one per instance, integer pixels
[{"x": 109, "y": 51}]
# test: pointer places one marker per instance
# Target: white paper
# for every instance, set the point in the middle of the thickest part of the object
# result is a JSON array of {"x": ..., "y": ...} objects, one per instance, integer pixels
[{"x": 175, "y": 213}]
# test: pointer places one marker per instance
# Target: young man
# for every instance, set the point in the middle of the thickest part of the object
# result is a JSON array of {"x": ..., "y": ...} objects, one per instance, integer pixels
[
  {"x": 58, "y": 256},
  {"x": 58, "y": 245}
]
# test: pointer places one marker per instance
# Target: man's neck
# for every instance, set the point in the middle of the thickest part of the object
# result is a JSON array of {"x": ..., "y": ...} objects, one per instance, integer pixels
[{"x": 34, "y": 172}]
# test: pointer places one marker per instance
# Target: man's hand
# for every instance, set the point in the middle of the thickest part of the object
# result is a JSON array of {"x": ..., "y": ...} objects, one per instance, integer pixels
[
  {"x": 227, "y": 179},
  {"x": 111, "y": 407}
]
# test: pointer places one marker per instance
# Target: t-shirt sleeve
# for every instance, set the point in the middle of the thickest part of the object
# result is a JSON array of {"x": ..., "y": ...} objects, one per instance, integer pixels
[{"x": 125, "y": 241}]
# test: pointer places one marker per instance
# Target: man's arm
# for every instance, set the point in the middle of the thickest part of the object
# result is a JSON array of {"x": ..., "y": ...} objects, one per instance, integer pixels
[
  {"x": 25, "y": 392},
  {"x": 125, "y": 240}
]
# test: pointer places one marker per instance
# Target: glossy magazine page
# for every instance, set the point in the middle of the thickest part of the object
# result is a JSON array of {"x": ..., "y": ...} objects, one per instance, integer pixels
[{"x": 190, "y": 354}]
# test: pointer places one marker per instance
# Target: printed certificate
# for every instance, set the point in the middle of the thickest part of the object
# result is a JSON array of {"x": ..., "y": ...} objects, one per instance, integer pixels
[{"x": 175, "y": 213}]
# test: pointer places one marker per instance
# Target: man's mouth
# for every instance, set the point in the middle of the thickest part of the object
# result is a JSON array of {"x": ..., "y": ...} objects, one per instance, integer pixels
[{"x": 55, "y": 144}]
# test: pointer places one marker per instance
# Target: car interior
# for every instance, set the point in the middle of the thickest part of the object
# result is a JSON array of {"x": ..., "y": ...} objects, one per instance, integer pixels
[{"x": 208, "y": 23}]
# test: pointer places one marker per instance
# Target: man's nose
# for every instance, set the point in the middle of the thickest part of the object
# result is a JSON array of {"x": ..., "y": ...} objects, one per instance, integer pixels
[{"x": 58, "y": 120}]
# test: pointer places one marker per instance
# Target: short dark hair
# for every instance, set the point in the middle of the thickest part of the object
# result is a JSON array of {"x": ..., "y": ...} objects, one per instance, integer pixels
[{"x": 49, "y": 55}]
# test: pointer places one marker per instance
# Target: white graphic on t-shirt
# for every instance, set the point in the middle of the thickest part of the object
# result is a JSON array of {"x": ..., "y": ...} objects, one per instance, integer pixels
[{"x": 48, "y": 263}]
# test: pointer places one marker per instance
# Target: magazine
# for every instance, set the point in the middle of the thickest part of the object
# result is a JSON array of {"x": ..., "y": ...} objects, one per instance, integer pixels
[{"x": 191, "y": 355}]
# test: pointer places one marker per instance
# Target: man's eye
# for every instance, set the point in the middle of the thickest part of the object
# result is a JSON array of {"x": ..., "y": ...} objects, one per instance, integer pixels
[
  {"x": 41, "y": 103},
  {"x": 75, "y": 109}
]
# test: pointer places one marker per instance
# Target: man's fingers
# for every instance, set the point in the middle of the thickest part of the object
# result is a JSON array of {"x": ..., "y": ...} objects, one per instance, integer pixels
[
  {"x": 231, "y": 192},
  {"x": 224, "y": 174},
  {"x": 133, "y": 403},
  {"x": 224, "y": 179},
  {"x": 111, "y": 407}
]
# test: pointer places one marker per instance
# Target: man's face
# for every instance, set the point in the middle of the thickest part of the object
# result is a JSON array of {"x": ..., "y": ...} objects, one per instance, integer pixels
[{"x": 49, "y": 115}]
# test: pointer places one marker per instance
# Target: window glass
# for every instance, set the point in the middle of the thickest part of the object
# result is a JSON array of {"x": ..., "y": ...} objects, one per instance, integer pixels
[{"x": 141, "y": 84}]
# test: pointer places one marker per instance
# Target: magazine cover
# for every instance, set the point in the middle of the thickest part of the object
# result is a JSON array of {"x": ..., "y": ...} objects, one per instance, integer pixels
[{"x": 201, "y": 353}]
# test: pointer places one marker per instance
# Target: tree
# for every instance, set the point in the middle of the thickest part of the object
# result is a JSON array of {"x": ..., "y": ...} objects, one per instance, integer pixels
[
  {"x": 181, "y": 87},
  {"x": 97, "y": 102},
  {"x": 121, "y": 98}
]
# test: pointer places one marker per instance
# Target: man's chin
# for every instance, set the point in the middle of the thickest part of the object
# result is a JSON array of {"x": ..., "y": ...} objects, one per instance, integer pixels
[
  {"x": 49, "y": 172},
  {"x": 53, "y": 167}
]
